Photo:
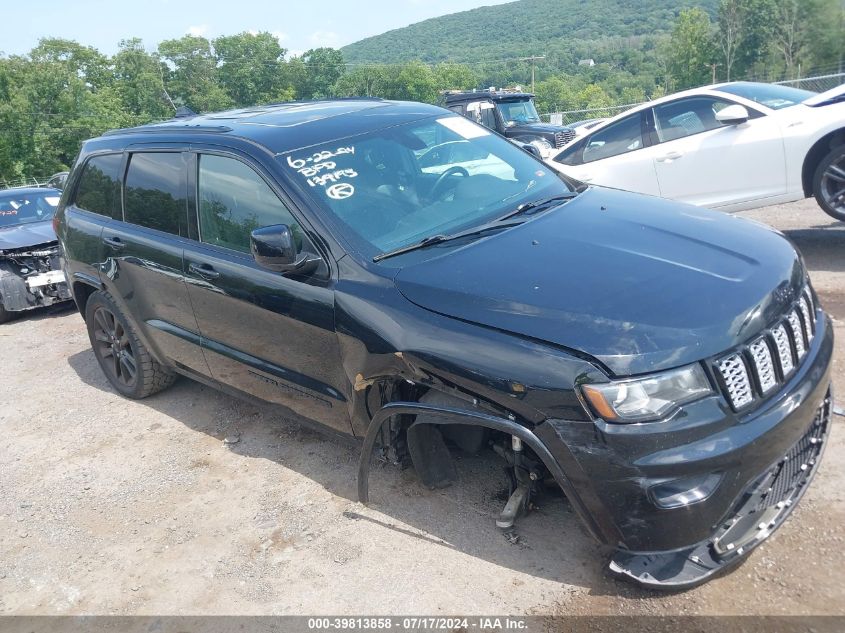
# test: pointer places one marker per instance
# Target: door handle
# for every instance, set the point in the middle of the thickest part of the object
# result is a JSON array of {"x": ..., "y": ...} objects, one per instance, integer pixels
[
  {"x": 115, "y": 242},
  {"x": 203, "y": 270},
  {"x": 670, "y": 156}
]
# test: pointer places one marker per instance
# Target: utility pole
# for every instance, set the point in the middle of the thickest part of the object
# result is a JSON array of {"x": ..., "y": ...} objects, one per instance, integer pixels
[{"x": 532, "y": 59}]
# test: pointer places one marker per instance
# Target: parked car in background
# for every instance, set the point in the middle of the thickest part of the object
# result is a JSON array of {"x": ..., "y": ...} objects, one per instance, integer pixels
[
  {"x": 30, "y": 275},
  {"x": 512, "y": 114},
  {"x": 397, "y": 273},
  {"x": 729, "y": 146},
  {"x": 57, "y": 181}
]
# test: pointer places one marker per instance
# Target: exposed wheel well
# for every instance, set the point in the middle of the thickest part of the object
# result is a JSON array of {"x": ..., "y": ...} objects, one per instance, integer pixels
[
  {"x": 814, "y": 156},
  {"x": 81, "y": 292}
]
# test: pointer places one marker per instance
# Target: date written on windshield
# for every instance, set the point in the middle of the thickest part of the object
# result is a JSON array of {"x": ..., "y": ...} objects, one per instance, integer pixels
[{"x": 318, "y": 168}]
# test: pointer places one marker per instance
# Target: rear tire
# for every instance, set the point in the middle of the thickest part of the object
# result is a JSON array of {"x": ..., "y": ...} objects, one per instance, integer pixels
[
  {"x": 124, "y": 359},
  {"x": 829, "y": 183}
]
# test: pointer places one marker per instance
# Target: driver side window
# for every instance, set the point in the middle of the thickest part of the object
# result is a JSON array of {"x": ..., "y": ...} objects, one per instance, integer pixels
[
  {"x": 234, "y": 201},
  {"x": 686, "y": 117}
]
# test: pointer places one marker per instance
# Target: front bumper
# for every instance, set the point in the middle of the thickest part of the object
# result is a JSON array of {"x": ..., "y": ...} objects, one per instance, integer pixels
[
  {"x": 762, "y": 508},
  {"x": 614, "y": 468}
]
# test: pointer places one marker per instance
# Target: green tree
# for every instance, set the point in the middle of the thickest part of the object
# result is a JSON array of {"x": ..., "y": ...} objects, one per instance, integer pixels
[
  {"x": 139, "y": 82},
  {"x": 316, "y": 72},
  {"x": 192, "y": 76},
  {"x": 449, "y": 76},
  {"x": 413, "y": 81},
  {"x": 252, "y": 68},
  {"x": 691, "y": 49},
  {"x": 362, "y": 81}
]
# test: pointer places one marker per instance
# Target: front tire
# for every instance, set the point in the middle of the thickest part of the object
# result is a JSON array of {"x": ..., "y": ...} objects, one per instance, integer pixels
[
  {"x": 124, "y": 359},
  {"x": 829, "y": 183}
]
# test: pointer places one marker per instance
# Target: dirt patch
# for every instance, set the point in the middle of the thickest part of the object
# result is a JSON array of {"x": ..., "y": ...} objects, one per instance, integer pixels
[{"x": 109, "y": 506}]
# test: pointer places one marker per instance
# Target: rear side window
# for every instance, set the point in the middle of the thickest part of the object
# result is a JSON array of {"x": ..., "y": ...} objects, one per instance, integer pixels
[
  {"x": 157, "y": 192},
  {"x": 234, "y": 201},
  {"x": 621, "y": 137},
  {"x": 99, "y": 186}
]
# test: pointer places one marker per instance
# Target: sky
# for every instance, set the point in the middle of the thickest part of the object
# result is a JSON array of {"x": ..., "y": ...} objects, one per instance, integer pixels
[{"x": 298, "y": 25}]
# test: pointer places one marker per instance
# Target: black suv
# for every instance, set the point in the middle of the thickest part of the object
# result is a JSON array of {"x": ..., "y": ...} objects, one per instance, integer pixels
[
  {"x": 513, "y": 115},
  {"x": 667, "y": 366}
]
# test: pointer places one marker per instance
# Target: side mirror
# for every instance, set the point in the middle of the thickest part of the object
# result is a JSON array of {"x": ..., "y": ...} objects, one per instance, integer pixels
[
  {"x": 531, "y": 149},
  {"x": 274, "y": 248},
  {"x": 732, "y": 115}
]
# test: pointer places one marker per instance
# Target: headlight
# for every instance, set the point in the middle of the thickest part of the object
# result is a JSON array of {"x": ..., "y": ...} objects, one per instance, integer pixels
[
  {"x": 650, "y": 398},
  {"x": 541, "y": 144}
]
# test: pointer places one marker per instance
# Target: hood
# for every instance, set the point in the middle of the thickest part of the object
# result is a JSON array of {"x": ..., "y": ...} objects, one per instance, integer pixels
[
  {"x": 636, "y": 282},
  {"x": 23, "y": 235},
  {"x": 535, "y": 128},
  {"x": 834, "y": 95}
]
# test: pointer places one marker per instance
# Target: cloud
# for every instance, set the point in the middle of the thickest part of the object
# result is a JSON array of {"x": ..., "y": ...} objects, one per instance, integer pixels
[
  {"x": 198, "y": 31},
  {"x": 324, "y": 39},
  {"x": 279, "y": 36}
]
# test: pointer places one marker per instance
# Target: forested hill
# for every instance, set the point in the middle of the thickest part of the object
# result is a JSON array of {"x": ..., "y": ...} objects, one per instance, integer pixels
[{"x": 525, "y": 27}]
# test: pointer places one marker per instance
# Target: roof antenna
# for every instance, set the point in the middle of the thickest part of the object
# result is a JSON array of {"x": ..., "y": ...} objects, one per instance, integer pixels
[{"x": 161, "y": 74}]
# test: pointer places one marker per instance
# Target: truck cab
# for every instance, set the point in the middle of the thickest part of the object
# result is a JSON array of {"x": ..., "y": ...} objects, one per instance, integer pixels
[{"x": 512, "y": 114}]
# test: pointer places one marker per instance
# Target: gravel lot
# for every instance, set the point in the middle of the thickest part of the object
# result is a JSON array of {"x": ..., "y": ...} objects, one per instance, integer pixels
[{"x": 109, "y": 506}]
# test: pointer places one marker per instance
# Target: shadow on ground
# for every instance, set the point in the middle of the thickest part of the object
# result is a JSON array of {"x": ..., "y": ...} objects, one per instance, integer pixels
[{"x": 550, "y": 542}]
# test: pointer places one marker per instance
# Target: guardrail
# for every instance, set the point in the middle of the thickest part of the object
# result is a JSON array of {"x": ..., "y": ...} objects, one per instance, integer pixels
[{"x": 24, "y": 182}]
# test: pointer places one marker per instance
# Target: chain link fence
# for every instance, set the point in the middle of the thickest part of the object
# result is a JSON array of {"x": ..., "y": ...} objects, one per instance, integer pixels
[
  {"x": 818, "y": 83},
  {"x": 588, "y": 114},
  {"x": 822, "y": 83}
]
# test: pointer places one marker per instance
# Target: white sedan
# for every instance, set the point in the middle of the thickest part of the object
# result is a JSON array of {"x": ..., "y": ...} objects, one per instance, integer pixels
[{"x": 729, "y": 146}]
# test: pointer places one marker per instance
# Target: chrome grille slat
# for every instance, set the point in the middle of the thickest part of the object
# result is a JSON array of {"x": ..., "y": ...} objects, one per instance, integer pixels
[
  {"x": 784, "y": 349},
  {"x": 763, "y": 365},
  {"x": 736, "y": 380},
  {"x": 808, "y": 321},
  {"x": 563, "y": 137},
  {"x": 797, "y": 334},
  {"x": 755, "y": 371}
]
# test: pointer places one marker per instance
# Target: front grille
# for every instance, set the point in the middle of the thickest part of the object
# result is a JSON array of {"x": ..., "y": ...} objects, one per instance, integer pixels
[
  {"x": 792, "y": 472},
  {"x": 768, "y": 500},
  {"x": 563, "y": 137},
  {"x": 754, "y": 371},
  {"x": 39, "y": 250}
]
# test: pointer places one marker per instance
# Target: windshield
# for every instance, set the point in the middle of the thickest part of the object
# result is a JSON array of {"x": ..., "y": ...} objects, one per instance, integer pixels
[
  {"x": 397, "y": 186},
  {"x": 770, "y": 95},
  {"x": 24, "y": 208},
  {"x": 514, "y": 112}
]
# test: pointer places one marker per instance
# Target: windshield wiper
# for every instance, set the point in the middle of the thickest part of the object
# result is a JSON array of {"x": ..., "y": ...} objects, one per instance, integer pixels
[
  {"x": 441, "y": 237},
  {"x": 536, "y": 205}
]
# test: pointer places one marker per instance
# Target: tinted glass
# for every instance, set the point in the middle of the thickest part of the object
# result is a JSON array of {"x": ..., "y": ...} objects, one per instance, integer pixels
[
  {"x": 26, "y": 207},
  {"x": 234, "y": 201},
  {"x": 621, "y": 137},
  {"x": 99, "y": 186},
  {"x": 393, "y": 187},
  {"x": 516, "y": 112},
  {"x": 769, "y": 95},
  {"x": 156, "y": 192},
  {"x": 687, "y": 117}
]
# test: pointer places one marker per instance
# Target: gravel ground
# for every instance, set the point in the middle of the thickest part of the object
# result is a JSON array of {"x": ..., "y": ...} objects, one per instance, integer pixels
[{"x": 109, "y": 506}]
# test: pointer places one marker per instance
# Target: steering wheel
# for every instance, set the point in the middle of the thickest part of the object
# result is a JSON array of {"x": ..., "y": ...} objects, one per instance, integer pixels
[{"x": 436, "y": 192}]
